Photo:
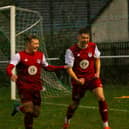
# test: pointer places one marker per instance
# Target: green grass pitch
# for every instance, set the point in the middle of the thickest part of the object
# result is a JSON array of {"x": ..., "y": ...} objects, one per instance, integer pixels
[{"x": 54, "y": 108}]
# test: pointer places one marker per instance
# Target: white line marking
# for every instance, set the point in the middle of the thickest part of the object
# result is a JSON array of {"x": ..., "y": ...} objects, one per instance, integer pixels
[{"x": 89, "y": 107}]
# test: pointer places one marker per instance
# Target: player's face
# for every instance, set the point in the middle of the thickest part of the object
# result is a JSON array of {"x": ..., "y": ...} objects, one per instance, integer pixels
[
  {"x": 84, "y": 38},
  {"x": 33, "y": 45}
]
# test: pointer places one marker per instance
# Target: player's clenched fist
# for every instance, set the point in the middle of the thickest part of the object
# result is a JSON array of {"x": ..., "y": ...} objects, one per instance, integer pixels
[
  {"x": 81, "y": 81},
  {"x": 14, "y": 77}
]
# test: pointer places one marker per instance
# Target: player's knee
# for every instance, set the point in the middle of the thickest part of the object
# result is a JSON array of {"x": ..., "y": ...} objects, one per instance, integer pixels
[
  {"x": 101, "y": 98},
  {"x": 28, "y": 108}
]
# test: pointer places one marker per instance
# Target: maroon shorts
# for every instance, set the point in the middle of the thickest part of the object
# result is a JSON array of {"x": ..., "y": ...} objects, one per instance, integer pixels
[
  {"x": 78, "y": 91},
  {"x": 27, "y": 95}
]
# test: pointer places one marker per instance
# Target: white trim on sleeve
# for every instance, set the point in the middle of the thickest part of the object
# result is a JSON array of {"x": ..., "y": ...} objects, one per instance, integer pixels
[
  {"x": 69, "y": 58},
  {"x": 44, "y": 62},
  {"x": 15, "y": 59},
  {"x": 97, "y": 52}
]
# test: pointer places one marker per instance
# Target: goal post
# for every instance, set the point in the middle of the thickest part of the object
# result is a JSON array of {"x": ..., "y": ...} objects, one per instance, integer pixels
[
  {"x": 13, "y": 46},
  {"x": 11, "y": 37},
  {"x": 16, "y": 24}
]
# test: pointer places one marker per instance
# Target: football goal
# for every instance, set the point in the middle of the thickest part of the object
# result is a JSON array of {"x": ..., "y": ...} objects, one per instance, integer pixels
[{"x": 15, "y": 24}]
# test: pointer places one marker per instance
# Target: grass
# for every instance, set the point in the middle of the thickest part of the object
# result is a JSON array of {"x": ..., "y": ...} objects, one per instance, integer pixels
[{"x": 53, "y": 111}]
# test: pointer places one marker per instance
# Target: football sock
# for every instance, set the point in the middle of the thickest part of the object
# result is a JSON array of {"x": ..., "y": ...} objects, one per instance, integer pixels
[
  {"x": 28, "y": 120},
  {"x": 67, "y": 121},
  {"x": 70, "y": 112},
  {"x": 105, "y": 124},
  {"x": 103, "y": 109}
]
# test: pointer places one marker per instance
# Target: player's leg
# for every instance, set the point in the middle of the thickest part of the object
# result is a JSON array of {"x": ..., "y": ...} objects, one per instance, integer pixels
[
  {"x": 17, "y": 107},
  {"x": 77, "y": 94},
  {"x": 103, "y": 108},
  {"x": 27, "y": 109},
  {"x": 70, "y": 112},
  {"x": 37, "y": 103},
  {"x": 32, "y": 109},
  {"x": 28, "y": 115},
  {"x": 26, "y": 96}
]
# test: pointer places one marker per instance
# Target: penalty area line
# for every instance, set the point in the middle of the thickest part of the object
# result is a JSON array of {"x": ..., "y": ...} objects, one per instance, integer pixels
[{"x": 88, "y": 107}]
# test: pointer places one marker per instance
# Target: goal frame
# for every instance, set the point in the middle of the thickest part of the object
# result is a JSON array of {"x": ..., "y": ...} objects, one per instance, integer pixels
[{"x": 12, "y": 42}]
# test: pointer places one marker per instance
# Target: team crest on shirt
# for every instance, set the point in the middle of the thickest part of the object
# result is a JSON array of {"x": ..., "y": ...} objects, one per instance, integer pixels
[
  {"x": 89, "y": 54},
  {"x": 78, "y": 54},
  {"x": 38, "y": 61},
  {"x": 84, "y": 64},
  {"x": 32, "y": 70}
]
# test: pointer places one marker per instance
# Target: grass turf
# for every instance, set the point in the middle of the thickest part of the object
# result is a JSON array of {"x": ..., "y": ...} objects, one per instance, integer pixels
[{"x": 54, "y": 108}]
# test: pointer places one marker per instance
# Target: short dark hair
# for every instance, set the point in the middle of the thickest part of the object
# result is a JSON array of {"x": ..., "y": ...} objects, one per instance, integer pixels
[
  {"x": 85, "y": 30},
  {"x": 30, "y": 37}
]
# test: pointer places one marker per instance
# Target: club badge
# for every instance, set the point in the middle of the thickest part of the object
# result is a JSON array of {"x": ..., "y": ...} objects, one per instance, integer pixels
[
  {"x": 32, "y": 70},
  {"x": 84, "y": 64}
]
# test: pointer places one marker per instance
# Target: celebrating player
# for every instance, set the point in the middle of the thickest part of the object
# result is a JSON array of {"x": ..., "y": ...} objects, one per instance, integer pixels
[
  {"x": 28, "y": 64},
  {"x": 83, "y": 59}
]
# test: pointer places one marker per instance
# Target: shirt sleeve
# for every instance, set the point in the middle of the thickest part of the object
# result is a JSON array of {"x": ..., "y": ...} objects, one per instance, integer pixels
[
  {"x": 44, "y": 61},
  {"x": 69, "y": 58},
  {"x": 15, "y": 59},
  {"x": 13, "y": 62},
  {"x": 97, "y": 52}
]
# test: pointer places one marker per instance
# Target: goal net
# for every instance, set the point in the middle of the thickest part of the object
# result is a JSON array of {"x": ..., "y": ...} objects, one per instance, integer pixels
[{"x": 15, "y": 24}]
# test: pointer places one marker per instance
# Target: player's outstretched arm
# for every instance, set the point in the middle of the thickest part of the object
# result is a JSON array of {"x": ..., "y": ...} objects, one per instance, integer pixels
[
  {"x": 55, "y": 68},
  {"x": 52, "y": 68}
]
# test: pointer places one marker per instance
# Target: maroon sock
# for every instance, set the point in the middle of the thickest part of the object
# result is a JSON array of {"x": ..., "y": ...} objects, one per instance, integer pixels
[
  {"x": 28, "y": 120},
  {"x": 103, "y": 109},
  {"x": 70, "y": 111}
]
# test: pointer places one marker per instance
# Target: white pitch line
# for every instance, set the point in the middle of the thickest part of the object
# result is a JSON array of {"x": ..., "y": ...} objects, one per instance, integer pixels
[{"x": 88, "y": 107}]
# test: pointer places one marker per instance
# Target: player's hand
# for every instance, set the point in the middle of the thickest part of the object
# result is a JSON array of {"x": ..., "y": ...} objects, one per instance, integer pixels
[
  {"x": 14, "y": 77},
  {"x": 81, "y": 81},
  {"x": 66, "y": 66},
  {"x": 97, "y": 75}
]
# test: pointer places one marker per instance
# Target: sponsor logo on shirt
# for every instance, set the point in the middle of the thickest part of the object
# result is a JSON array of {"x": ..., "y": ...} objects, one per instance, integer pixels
[{"x": 78, "y": 54}]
